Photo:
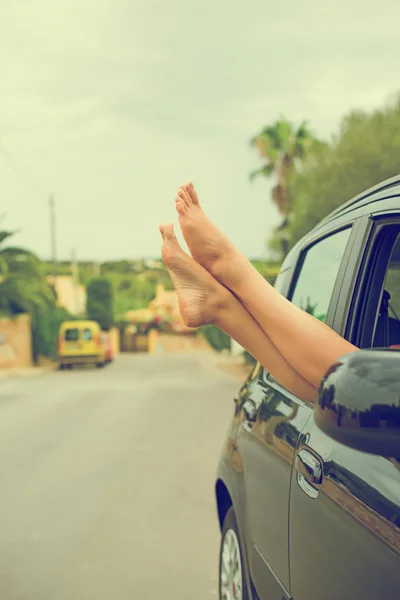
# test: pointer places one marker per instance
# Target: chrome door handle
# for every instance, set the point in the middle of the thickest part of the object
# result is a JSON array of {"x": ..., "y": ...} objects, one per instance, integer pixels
[
  {"x": 310, "y": 466},
  {"x": 250, "y": 411},
  {"x": 310, "y": 471}
]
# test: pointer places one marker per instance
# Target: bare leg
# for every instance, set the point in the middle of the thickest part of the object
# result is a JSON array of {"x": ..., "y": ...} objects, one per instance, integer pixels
[
  {"x": 202, "y": 300},
  {"x": 307, "y": 344}
]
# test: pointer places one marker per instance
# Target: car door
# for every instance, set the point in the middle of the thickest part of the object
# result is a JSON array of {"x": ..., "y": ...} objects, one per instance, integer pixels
[
  {"x": 345, "y": 504},
  {"x": 269, "y": 435}
]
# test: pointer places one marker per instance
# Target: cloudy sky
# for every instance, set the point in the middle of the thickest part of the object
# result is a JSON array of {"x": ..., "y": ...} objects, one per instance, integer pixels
[{"x": 111, "y": 104}]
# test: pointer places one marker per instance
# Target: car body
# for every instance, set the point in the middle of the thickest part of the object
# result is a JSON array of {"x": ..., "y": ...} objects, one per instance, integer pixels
[
  {"x": 302, "y": 515},
  {"x": 79, "y": 342},
  {"x": 106, "y": 342}
]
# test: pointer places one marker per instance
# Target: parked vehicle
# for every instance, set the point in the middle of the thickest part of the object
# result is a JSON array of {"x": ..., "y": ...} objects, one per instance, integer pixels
[
  {"x": 79, "y": 342},
  {"x": 308, "y": 495},
  {"x": 105, "y": 340}
]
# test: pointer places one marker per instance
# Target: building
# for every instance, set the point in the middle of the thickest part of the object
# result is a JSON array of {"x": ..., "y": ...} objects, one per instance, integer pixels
[{"x": 71, "y": 296}]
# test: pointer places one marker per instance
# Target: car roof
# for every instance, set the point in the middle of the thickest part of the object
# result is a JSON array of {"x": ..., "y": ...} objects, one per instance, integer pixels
[
  {"x": 365, "y": 197},
  {"x": 358, "y": 202}
]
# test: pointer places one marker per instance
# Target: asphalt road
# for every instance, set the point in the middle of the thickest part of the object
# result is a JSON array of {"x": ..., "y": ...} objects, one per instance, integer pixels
[{"x": 106, "y": 480}]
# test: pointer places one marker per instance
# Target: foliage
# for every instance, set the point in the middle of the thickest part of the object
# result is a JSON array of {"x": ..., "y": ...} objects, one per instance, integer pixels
[
  {"x": 268, "y": 270},
  {"x": 138, "y": 294},
  {"x": 23, "y": 287},
  {"x": 21, "y": 294},
  {"x": 249, "y": 359},
  {"x": 281, "y": 147},
  {"x": 133, "y": 282},
  {"x": 45, "y": 328},
  {"x": 217, "y": 339},
  {"x": 99, "y": 301},
  {"x": 363, "y": 153},
  {"x": 159, "y": 324}
]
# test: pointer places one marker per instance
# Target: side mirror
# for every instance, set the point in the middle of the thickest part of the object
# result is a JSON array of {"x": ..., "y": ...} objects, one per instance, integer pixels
[{"x": 358, "y": 402}]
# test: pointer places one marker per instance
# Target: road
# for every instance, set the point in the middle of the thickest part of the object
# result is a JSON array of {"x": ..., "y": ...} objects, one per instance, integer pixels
[{"x": 106, "y": 480}]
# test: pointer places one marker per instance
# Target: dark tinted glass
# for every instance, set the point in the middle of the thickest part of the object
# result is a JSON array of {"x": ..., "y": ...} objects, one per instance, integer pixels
[
  {"x": 387, "y": 332},
  {"x": 87, "y": 335},
  {"x": 72, "y": 335},
  {"x": 318, "y": 274}
]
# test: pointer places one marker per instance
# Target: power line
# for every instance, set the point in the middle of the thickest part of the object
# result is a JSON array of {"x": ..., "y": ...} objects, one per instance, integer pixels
[
  {"x": 21, "y": 173},
  {"x": 33, "y": 187}
]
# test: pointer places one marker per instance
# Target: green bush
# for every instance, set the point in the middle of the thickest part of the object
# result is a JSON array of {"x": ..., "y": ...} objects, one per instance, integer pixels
[
  {"x": 217, "y": 339},
  {"x": 268, "y": 270},
  {"x": 131, "y": 294},
  {"x": 45, "y": 328},
  {"x": 99, "y": 302},
  {"x": 249, "y": 359}
]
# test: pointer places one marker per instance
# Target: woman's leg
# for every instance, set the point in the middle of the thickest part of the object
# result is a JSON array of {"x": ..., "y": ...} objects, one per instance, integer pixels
[
  {"x": 202, "y": 300},
  {"x": 307, "y": 344}
]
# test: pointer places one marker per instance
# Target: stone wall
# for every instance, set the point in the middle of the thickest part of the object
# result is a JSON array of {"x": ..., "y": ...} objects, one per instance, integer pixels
[
  {"x": 114, "y": 340},
  {"x": 15, "y": 343}
]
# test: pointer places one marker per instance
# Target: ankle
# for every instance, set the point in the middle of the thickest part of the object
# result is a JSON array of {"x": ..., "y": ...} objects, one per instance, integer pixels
[{"x": 222, "y": 304}]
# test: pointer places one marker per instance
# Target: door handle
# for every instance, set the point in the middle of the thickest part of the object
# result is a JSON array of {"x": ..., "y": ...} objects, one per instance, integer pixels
[
  {"x": 310, "y": 466},
  {"x": 310, "y": 470},
  {"x": 250, "y": 411}
]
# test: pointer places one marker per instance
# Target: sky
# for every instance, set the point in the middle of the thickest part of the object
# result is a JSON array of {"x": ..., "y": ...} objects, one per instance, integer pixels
[{"x": 110, "y": 105}]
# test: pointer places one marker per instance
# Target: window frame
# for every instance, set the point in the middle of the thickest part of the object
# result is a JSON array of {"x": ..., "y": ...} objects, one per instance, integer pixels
[
  {"x": 355, "y": 225},
  {"x": 363, "y": 311}
]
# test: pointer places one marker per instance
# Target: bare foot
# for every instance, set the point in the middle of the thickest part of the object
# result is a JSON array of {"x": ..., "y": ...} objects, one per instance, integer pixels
[
  {"x": 207, "y": 244},
  {"x": 200, "y": 296}
]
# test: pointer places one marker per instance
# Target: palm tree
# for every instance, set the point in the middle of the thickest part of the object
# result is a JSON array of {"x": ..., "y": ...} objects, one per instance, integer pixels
[
  {"x": 23, "y": 287},
  {"x": 282, "y": 147}
]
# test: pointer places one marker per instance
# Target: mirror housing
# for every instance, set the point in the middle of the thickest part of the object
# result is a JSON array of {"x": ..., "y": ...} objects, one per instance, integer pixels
[{"x": 358, "y": 402}]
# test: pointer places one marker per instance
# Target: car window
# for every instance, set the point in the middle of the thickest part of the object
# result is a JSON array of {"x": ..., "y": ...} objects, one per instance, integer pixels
[
  {"x": 387, "y": 332},
  {"x": 375, "y": 310},
  {"x": 392, "y": 280},
  {"x": 87, "y": 335},
  {"x": 71, "y": 335},
  {"x": 316, "y": 281}
]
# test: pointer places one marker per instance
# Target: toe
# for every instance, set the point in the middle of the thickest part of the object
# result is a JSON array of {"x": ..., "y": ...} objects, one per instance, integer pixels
[
  {"x": 192, "y": 193},
  {"x": 181, "y": 206},
  {"x": 182, "y": 193},
  {"x": 168, "y": 231}
]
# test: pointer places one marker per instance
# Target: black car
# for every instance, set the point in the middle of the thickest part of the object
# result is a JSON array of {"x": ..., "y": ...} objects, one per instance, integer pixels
[{"x": 308, "y": 495}]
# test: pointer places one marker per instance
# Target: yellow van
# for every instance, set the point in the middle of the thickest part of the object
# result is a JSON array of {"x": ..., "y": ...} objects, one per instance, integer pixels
[{"x": 79, "y": 342}]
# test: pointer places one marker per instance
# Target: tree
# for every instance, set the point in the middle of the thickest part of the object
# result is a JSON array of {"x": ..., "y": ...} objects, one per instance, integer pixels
[
  {"x": 363, "y": 153},
  {"x": 23, "y": 287},
  {"x": 99, "y": 301},
  {"x": 217, "y": 338},
  {"x": 282, "y": 147}
]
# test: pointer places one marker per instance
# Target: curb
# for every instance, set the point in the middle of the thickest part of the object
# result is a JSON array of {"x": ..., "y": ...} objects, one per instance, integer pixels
[{"x": 24, "y": 373}]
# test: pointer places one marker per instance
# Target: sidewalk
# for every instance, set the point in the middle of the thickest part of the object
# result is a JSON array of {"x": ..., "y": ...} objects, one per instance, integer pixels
[{"x": 19, "y": 373}]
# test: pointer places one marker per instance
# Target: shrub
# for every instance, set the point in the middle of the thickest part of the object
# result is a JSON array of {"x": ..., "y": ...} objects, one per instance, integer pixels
[
  {"x": 99, "y": 302},
  {"x": 217, "y": 339},
  {"x": 248, "y": 358},
  {"x": 45, "y": 327}
]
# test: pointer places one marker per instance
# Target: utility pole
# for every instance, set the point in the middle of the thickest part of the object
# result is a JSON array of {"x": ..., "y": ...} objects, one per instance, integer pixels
[
  {"x": 53, "y": 238},
  {"x": 75, "y": 279}
]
